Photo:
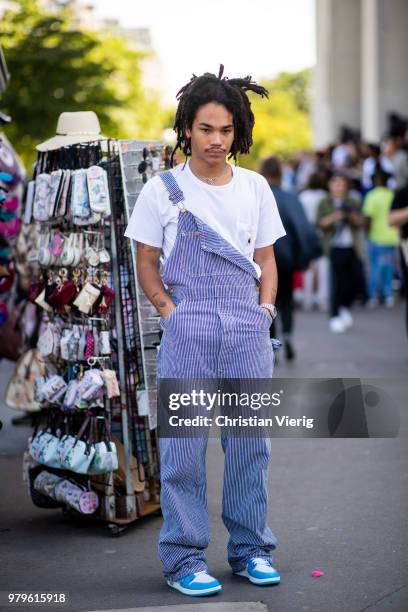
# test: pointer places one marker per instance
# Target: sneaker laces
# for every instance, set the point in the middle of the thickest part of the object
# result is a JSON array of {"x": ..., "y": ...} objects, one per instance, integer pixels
[
  {"x": 203, "y": 575},
  {"x": 262, "y": 561}
]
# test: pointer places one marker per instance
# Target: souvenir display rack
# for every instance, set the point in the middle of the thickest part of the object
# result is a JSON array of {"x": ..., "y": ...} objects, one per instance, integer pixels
[{"x": 133, "y": 491}]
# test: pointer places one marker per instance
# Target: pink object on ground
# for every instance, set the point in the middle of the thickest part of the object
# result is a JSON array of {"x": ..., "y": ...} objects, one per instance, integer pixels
[{"x": 317, "y": 573}]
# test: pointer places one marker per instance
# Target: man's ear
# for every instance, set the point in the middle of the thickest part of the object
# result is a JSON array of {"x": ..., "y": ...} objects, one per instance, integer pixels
[{"x": 188, "y": 133}]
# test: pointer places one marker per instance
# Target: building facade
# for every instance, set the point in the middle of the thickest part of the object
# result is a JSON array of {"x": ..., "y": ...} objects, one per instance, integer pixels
[{"x": 361, "y": 68}]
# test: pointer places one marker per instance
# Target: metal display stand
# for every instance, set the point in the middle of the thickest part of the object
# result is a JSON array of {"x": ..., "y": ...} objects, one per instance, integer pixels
[{"x": 135, "y": 337}]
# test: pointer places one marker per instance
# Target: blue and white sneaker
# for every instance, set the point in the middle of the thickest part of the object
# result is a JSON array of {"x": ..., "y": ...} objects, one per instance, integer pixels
[
  {"x": 198, "y": 584},
  {"x": 260, "y": 571}
]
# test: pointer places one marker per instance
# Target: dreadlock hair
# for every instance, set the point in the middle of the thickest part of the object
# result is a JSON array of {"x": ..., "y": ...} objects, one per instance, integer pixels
[{"x": 231, "y": 93}]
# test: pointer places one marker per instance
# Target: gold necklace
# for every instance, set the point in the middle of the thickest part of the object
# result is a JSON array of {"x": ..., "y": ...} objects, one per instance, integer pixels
[{"x": 210, "y": 180}]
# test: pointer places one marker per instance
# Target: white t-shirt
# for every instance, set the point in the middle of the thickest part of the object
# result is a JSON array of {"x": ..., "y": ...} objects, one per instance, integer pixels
[
  {"x": 243, "y": 212},
  {"x": 310, "y": 200}
]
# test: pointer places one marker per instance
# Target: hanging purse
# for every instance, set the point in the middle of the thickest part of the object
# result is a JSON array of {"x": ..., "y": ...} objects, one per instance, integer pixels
[
  {"x": 90, "y": 385},
  {"x": 74, "y": 453},
  {"x": 79, "y": 195},
  {"x": 55, "y": 185},
  {"x": 98, "y": 189},
  {"x": 48, "y": 341},
  {"x": 42, "y": 192},
  {"x": 106, "y": 458},
  {"x": 63, "y": 295},
  {"x": 45, "y": 483},
  {"x": 54, "y": 389},
  {"x": 20, "y": 389},
  {"x": 87, "y": 297},
  {"x": 111, "y": 383},
  {"x": 71, "y": 395},
  {"x": 39, "y": 499},
  {"x": 76, "y": 496},
  {"x": 44, "y": 446}
]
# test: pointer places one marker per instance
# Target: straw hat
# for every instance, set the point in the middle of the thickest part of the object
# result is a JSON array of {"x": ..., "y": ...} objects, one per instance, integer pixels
[{"x": 74, "y": 128}]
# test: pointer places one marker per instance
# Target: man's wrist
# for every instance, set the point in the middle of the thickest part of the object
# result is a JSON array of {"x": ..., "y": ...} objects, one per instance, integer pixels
[{"x": 271, "y": 308}]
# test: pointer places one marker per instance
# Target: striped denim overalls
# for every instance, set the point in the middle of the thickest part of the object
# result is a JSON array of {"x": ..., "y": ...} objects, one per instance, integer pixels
[{"x": 217, "y": 330}]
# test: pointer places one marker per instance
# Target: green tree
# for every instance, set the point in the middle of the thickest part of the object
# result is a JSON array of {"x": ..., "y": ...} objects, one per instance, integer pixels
[
  {"x": 282, "y": 123},
  {"x": 57, "y": 67}
]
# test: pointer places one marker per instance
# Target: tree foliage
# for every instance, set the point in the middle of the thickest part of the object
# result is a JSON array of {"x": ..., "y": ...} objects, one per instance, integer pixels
[
  {"x": 57, "y": 67},
  {"x": 282, "y": 123}
]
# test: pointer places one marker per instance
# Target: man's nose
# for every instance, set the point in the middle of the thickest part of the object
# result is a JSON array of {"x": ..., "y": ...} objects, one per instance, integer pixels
[{"x": 216, "y": 139}]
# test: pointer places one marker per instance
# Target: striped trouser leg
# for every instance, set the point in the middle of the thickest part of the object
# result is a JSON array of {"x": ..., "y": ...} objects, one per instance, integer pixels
[
  {"x": 245, "y": 499},
  {"x": 184, "y": 535}
]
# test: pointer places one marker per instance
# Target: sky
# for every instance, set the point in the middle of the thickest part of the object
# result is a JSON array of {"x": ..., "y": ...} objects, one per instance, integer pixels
[{"x": 256, "y": 37}]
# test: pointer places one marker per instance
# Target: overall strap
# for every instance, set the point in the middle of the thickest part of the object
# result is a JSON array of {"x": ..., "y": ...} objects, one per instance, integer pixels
[{"x": 176, "y": 196}]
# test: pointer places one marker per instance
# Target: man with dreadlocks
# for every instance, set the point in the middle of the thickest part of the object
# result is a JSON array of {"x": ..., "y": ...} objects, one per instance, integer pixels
[{"x": 215, "y": 225}]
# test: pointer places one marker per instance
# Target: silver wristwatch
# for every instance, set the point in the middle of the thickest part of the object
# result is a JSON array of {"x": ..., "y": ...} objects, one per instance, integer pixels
[{"x": 270, "y": 307}]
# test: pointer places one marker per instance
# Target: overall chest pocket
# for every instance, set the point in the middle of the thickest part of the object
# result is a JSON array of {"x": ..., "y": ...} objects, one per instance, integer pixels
[{"x": 196, "y": 260}]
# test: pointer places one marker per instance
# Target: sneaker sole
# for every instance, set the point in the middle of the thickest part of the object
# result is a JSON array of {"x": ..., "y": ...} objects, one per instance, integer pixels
[
  {"x": 244, "y": 574},
  {"x": 195, "y": 592}
]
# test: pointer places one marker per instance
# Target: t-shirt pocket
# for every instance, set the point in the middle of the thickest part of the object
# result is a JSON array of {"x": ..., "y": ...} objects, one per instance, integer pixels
[{"x": 246, "y": 237}]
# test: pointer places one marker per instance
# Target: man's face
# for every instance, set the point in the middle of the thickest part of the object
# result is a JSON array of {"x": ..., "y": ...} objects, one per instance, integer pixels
[
  {"x": 338, "y": 187},
  {"x": 212, "y": 133}
]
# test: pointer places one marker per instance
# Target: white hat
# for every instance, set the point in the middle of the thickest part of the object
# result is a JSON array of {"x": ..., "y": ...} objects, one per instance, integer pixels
[{"x": 74, "y": 128}]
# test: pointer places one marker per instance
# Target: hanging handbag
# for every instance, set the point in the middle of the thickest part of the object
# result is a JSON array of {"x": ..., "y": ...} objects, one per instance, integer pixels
[
  {"x": 71, "y": 395},
  {"x": 43, "y": 448},
  {"x": 20, "y": 389},
  {"x": 106, "y": 457},
  {"x": 45, "y": 483},
  {"x": 54, "y": 389},
  {"x": 90, "y": 385},
  {"x": 76, "y": 496},
  {"x": 74, "y": 453},
  {"x": 39, "y": 499}
]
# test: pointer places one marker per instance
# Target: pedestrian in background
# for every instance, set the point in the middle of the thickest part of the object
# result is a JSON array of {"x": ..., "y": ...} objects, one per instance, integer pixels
[
  {"x": 339, "y": 218},
  {"x": 382, "y": 240},
  {"x": 316, "y": 277},
  {"x": 292, "y": 252},
  {"x": 399, "y": 219},
  {"x": 395, "y": 161}
]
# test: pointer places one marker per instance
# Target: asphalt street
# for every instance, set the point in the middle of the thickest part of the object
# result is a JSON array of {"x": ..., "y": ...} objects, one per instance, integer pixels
[{"x": 337, "y": 505}]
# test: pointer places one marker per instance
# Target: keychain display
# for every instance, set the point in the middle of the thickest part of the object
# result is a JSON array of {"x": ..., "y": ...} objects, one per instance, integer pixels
[{"x": 82, "y": 392}]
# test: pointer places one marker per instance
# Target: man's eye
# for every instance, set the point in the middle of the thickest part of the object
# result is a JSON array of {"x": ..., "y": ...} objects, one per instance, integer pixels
[{"x": 205, "y": 130}]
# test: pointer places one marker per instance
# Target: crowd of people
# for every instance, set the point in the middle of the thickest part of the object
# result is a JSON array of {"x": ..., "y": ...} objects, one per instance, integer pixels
[{"x": 355, "y": 197}]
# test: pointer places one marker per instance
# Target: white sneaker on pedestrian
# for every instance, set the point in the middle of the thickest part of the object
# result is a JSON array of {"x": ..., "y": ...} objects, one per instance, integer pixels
[
  {"x": 389, "y": 302},
  {"x": 345, "y": 316},
  {"x": 336, "y": 325}
]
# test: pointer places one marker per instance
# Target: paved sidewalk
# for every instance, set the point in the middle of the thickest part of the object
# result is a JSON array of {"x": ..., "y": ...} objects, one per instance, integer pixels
[{"x": 339, "y": 505}]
